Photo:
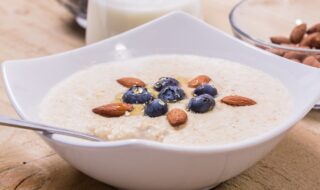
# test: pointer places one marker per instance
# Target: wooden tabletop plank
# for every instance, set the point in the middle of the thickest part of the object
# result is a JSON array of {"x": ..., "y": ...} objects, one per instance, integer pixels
[{"x": 33, "y": 28}]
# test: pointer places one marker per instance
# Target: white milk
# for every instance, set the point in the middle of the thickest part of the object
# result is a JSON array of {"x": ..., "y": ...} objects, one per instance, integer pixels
[{"x": 110, "y": 17}]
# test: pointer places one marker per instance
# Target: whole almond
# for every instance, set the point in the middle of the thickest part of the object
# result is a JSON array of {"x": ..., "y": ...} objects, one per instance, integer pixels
[
  {"x": 278, "y": 52},
  {"x": 177, "y": 117},
  {"x": 297, "y": 33},
  {"x": 312, "y": 61},
  {"x": 113, "y": 109},
  {"x": 199, "y": 80},
  {"x": 280, "y": 40},
  {"x": 294, "y": 55},
  {"x": 236, "y": 100},
  {"x": 131, "y": 81},
  {"x": 314, "y": 28}
]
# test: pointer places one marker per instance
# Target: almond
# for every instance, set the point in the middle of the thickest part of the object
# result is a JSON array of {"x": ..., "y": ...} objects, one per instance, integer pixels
[
  {"x": 315, "y": 40},
  {"x": 280, "y": 40},
  {"x": 199, "y": 80},
  {"x": 314, "y": 28},
  {"x": 297, "y": 33},
  {"x": 235, "y": 100},
  {"x": 113, "y": 109},
  {"x": 131, "y": 81},
  {"x": 312, "y": 40},
  {"x": 294, "y": 55},
  {"x": 317, "y": 56},
  {"x": 305, "y": 42},
  {"x": 177, "y": 117},
  {"x": 312, "y": 61},
  {"x": 317, "y": 65}
]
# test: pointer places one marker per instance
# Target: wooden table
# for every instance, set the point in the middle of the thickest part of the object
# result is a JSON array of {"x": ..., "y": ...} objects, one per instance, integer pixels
[{"x": 33, "y": 28}]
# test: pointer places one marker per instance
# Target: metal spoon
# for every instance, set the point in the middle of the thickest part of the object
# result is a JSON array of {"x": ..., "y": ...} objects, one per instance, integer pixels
[{"x": 11, "y": 122}]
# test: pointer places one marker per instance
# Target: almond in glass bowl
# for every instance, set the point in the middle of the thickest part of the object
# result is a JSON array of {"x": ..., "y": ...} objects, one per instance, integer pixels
[{"x": 256, "y": 21}]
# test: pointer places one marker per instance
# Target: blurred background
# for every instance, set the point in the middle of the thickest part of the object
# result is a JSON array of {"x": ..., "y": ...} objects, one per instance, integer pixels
[{"x": 46, "y": 27}]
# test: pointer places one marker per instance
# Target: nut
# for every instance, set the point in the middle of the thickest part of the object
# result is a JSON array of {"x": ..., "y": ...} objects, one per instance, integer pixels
[
  {"x": 199, "y": 80},
  {"x": 280, "y": 40},
  {"x": 297, "y": 33},
  {"x": 312, "y": 40},
  {"x": 236, "y": 100},
  {"x": 300, "y": 37},
  {"x": 311, "y": 61},
  {"x": 305, "y": 42},
  {"x": 315, "y": 40},
  {"x": 294, "y": 55},
  {"x": 177, "y": 117},
  {"x": 317, "y": 56},
  {"x": 113, "y": 109},
  {"x": 314, "y": 28},
  {"x": 131, "y": 81}
]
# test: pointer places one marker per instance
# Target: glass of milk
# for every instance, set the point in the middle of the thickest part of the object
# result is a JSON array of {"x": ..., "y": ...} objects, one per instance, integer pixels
[{"x": 110, "y": 17}]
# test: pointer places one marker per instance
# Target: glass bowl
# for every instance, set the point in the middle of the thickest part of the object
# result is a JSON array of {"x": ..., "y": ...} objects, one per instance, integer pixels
[{"x": 255, "y": 21}]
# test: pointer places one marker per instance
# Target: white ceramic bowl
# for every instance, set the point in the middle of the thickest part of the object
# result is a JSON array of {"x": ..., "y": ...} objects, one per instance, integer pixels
[{"x": 142, "y": 164}]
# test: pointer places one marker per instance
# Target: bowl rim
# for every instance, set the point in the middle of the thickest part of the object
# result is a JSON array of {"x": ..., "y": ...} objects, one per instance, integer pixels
[
  {"x": 243, "y": 144},
  {"x": 265, "y": 44}
]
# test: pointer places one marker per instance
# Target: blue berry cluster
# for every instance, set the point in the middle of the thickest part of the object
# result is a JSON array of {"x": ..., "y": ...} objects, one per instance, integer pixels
[
  {"x": 203, "y": 100},
  {"x": 169, "y": 92}
]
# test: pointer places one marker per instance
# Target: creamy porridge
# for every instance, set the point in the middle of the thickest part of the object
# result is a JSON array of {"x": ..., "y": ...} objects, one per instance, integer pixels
[{"x": 70, "y": 103}]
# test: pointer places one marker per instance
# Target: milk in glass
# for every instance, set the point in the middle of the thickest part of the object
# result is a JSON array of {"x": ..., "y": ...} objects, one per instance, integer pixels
[{"x": 110, "y": 17}]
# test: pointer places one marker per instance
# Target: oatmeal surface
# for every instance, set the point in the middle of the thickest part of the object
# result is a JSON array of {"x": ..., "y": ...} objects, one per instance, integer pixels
[{"x": 69, "y": 104}]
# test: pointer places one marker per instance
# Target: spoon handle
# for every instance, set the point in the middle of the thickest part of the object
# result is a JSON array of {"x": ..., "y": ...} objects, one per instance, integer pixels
[{"x": 18, "y": 123}]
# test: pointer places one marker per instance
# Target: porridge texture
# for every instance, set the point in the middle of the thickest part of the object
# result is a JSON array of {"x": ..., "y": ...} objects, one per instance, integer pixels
[{"x": 69, "y": 104}]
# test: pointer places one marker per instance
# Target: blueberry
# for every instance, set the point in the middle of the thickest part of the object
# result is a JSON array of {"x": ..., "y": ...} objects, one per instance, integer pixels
[
  {"x": 156, "y": 108},
  {"x": 205, "y": 89},
  {"x": 171, "y": 94},
  {"x": 136, "y": 95},
  {"x": 201, "y": 104},
  {"x": 164, "y": 82}
]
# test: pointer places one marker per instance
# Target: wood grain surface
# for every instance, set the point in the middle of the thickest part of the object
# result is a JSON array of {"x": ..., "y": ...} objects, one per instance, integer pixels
[{"x": 33, "y": 28}]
